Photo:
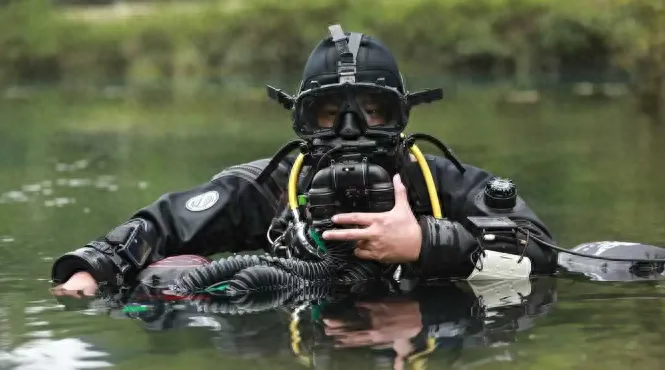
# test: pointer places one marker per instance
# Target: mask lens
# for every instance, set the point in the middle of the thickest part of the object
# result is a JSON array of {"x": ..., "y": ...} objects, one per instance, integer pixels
[
  {"x": 376, "y": 109},
  {"x": 380, "y": 107},
  {"x": 318, "y": 112},
  {"x": 326, "y": 112}
]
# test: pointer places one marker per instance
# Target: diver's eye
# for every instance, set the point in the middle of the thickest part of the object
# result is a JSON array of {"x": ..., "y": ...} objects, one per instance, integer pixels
[
  {"x": 326, "y": 115},
  {"x": 375, "y": 115},
  {"x": 330, "y": 112},
  {"x": 371, "y": 108}
]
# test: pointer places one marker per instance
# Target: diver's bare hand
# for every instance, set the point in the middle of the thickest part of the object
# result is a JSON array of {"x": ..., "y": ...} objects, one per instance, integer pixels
[
  {"x": 390, "y": 237},
  {"x": 80, "y": 282}
]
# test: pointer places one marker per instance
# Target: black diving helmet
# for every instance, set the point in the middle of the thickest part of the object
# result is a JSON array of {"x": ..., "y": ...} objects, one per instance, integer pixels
[{"x": 351, "y": 88}]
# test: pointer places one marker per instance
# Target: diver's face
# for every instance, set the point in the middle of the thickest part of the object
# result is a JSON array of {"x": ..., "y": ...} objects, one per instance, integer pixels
[{"x": 328, "y": 111}]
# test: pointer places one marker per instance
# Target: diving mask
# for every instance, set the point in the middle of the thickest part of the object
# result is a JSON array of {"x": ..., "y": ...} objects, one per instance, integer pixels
[{"x": 350, "y": 110}]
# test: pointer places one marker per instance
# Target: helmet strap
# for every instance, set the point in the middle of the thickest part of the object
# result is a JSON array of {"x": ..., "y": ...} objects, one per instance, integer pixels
[{"x": 348, "y": 51}]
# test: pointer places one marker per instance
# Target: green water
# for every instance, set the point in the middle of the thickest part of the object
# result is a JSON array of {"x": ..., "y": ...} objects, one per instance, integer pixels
[{"x": 74, "y": 164}]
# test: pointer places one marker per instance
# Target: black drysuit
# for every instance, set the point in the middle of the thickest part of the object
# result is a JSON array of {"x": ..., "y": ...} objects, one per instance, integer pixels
[{"x": 239, "y": 218}]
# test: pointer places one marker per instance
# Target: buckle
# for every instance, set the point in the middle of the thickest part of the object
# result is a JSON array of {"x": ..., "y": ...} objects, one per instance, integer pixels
[
  {"x": 128, "y": 248},
  {"x": 128, "y": 243},
  {"x": 347, "y": 73},
  {"x": 108, "y": 251}
]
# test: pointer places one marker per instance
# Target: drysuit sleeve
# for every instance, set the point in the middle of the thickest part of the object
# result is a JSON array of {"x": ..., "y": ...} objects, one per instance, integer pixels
[
  {"x": 230, "y": 213},
  {"x": 448, "y": 246}
]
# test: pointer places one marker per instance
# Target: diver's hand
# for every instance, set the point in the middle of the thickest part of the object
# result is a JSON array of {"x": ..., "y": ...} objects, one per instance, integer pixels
[
  {"x": 390, "y": 237},
  {"x": 80, "y": 282}
]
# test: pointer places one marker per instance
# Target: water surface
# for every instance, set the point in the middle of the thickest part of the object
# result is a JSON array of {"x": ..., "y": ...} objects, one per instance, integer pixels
[{"x": 73, "y": 165}]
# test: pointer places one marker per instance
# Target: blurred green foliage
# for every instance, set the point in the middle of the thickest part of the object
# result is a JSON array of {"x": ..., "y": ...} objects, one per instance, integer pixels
[{"x": 527, "y": 42}]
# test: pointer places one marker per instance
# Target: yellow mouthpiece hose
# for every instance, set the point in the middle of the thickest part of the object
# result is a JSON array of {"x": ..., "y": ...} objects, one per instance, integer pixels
[
  {"x": 429, "y": 181},
  {"x": 293, "y": 182}
]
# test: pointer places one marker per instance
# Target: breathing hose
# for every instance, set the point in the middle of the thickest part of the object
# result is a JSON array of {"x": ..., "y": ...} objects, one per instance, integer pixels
[{"x": 230, "y": 269}]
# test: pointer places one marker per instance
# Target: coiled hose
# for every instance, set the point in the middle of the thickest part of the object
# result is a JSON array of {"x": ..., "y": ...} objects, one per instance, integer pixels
[{"x": 249, "y": 273}]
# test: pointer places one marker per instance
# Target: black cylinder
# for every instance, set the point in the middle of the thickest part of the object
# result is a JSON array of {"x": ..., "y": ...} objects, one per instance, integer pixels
[
  {"x": 500, "y": 194},
  {"x": 358, "y": 186}
]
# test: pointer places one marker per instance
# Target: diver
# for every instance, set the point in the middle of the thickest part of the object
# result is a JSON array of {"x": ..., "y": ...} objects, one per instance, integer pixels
[{"x": 358, "y": 180}]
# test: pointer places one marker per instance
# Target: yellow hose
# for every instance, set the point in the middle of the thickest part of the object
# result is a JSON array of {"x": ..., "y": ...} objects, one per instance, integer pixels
[
  {"x": 429, "y": 181},
  {"x": 293, "y": 182},
  {"x": 418, "y": 360},
  {"x": 296, "y": 339}
]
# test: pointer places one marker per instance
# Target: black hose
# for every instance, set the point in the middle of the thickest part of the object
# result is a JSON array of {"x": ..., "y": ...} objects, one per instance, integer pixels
[
  {"x": 231, "y": 269},
  {"x": 278, "y": 157},
  {"x": 261, "y": 279},
  {"x": 214, "y": 272},
  {"x": 305, "y": 269},
  {"x": 439, "y": 144}
]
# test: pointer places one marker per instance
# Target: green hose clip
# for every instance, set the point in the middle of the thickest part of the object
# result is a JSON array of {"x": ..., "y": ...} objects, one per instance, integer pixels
[
  {"x": 302, "y": 200},
  {"x": 217, "y": 287},
  {"x": 317, "y": 308},
  {"x": 317, "y": 240},
  {"x": 136, "y": 308}
]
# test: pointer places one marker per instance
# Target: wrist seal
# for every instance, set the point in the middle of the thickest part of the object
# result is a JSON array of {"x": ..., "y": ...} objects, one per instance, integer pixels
[
  {"x": 83, "y": 259},
  {"x": 122, "y": 253},
  {"x": 446, "y": 248}
]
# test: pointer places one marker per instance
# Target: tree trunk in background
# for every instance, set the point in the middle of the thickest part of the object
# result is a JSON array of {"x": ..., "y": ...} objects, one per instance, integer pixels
[
  {"x": 660, "y": 98},
  {"x": 523, "y": 67},
  {"x": 651, "y": 84}
]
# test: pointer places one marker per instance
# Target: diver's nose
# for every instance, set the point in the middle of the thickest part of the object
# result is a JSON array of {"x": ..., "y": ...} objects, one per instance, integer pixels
[{"x": 349, "y": 129}]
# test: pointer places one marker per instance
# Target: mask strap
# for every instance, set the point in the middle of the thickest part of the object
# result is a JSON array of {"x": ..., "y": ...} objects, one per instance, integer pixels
[
  {"x": 354, "y": 44},
  {"x": 348, "y": 51}
]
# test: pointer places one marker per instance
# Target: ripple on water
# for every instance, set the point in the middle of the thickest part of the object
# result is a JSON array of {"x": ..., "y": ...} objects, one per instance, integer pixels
[
  {"x": 106, "y": 182},
  {"x": 71, "y": 167},
  {"x": 31, "y": 188},
  {"x": 14, "y": 196},
  {"x": 37, "y": 323},
  {"x": 6, "y": 239},
  {"x": 77, "y": 183},
  {"x": 45, "y": 353},
  {"x": 44, "y": 188},
  {"x": 34, "y": 310},
  {"x": 59, "y": 202},
  {"x": 9, "y": 279}
]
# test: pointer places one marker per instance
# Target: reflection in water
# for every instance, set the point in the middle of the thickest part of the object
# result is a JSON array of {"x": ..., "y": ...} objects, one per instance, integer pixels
[{"x": 375, "y": 325}]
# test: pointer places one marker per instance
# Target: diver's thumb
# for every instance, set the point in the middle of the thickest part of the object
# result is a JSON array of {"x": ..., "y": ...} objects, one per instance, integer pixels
[{"x": 401, "y": 197}]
